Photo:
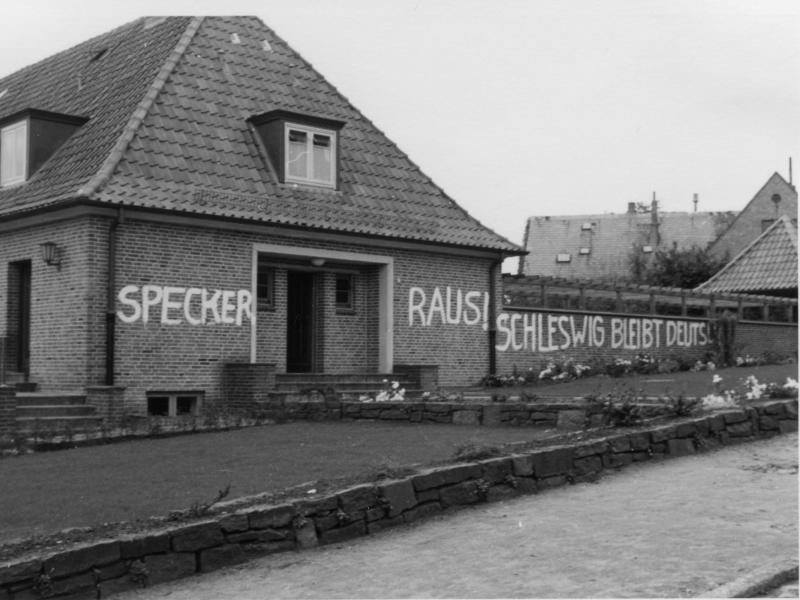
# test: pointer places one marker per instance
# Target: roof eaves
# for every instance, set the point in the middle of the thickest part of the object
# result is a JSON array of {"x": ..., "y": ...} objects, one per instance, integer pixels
[{"x": 127, "y": 135}]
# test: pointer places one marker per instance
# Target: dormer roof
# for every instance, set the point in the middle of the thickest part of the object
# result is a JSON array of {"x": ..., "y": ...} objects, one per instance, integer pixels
[{"x": 171, "y": 104}]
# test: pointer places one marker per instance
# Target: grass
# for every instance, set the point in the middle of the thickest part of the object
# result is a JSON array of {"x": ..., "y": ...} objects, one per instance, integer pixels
[
  {"x": 86, "y": 487},
  {"x": 46, "y": 492}
]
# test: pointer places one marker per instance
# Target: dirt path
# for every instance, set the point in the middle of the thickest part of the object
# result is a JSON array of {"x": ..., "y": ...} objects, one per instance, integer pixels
[{"x": 670, "y": 529}]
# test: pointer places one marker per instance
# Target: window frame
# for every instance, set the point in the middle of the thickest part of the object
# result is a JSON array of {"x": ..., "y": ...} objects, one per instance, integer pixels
[
  {"x": 265, "y": 302},
  {"x": 310, "y": 132},
  {"x": 24, "y": 126},
  {"x": 348, "y": 307},
  {"x": 172, "y": 403}
]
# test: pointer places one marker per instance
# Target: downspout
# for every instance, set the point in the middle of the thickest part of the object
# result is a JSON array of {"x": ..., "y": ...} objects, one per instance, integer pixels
[
  {"x": 491, "y": 318},
  {"x": 111, "y": 284}
]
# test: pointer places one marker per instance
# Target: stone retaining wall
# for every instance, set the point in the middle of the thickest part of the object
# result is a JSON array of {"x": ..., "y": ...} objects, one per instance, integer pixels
[
  {"x": 564, "y": 415},
  {"x": 101, "y": 568}
]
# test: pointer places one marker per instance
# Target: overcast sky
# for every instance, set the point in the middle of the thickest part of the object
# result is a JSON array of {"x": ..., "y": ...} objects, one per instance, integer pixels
[{"x": 530, "y": 107}]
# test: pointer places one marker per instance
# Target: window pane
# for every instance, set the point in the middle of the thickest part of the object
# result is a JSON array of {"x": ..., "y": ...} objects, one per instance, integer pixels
[
  {"x": 265, "y": 286},
  {"x": 13, "y": 147},
  {"x": 322, "y": 157},
  {"x": 344, "y": 291},
  {"x": 296, "y": 163},
  {"x": 185, "y": 405},
  {"x": 158, "y": 406}
]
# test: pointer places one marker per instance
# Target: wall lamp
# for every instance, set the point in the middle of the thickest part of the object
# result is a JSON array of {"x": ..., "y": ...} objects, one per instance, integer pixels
[
  {"x": 317, "y": 262},
  {"x": 51, "y": 254}
]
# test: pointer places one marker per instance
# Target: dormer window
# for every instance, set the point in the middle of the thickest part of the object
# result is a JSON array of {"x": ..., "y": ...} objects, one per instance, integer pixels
[
  {"x": 13, "y": 153},
  {"x": 28, "y": 139},
  {"x": 311, "y": 155},
  {"x": 302, "y": 149}
]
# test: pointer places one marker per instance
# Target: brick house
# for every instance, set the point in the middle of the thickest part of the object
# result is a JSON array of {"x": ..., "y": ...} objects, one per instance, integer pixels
[
  {"x": 776, "y": 198},
  {"x": 186, "y": 203}
]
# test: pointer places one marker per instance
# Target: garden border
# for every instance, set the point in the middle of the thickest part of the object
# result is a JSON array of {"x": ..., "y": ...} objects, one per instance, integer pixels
[{"x": 104, "y": 567}]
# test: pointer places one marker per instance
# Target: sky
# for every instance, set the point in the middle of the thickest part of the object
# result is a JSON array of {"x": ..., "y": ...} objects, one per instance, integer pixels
[{"x": 519, "y": 108}]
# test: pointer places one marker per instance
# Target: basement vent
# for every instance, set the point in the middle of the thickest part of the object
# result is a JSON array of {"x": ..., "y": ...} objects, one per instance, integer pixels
[
  {"x": 563, "y": 258},
  {"x": 585, "y": 250}
]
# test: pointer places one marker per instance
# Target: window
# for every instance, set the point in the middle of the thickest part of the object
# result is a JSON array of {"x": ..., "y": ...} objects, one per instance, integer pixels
[
  {"x": 584, "y": 250},
  {"x": 563, "y": 258},
  {"x": 345, "y": 293},
  {"x": 173, "y": 404},
  {"x": 14, "y": 153},
  {"x": 265, "y": 287},
  {"x": 310, "y": 155}
]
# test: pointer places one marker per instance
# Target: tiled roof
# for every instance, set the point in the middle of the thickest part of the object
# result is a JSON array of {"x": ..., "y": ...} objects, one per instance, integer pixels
[
  {"x": 610, "y": 239},
  {"x": 175, "y": 136},
  {"x": 768, "y": 263}
]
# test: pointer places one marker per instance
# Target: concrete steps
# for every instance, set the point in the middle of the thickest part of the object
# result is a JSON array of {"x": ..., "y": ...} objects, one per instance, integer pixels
[{"x": 55, "y": 412}]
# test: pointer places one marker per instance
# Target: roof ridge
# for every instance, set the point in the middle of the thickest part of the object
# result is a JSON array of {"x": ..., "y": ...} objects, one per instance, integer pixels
[
  {"x": 392, "y": 142},
  {"x": 137, "y": 117},
  {"x": 782, "y": 220}
]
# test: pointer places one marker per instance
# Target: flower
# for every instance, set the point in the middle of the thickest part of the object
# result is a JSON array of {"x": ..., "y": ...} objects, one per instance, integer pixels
[{"x": 716, "y": 379}]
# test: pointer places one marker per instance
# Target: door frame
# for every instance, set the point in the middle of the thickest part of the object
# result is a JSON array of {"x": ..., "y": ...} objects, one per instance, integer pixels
[{"x": 385, "y": 266}]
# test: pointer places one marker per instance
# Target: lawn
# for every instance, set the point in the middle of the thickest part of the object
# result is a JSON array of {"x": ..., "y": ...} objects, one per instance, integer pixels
[
  {"x": 49, "y": 491},
  {"x": 43, "y": 493}
]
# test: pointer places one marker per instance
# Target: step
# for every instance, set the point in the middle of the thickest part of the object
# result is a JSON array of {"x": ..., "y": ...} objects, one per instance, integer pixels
[
  {"x": 339, "y": 386},
  {"x": 321, "y": 378},
  {"x": 50, "y": 398},
  {"x": 55, "y": 410}
]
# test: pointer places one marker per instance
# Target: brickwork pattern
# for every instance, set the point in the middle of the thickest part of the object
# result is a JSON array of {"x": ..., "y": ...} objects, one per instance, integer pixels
[
  {"x": 8, "y": 411},
  {"x": 97, "y": 570},
  {"x": 247, "y": 385}
]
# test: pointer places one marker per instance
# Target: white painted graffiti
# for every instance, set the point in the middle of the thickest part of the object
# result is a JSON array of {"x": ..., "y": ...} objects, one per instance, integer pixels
[
  {"x": 176, "y": 305},
  {"x": 540, "y": 332},
  {"x": 454, "y": 307}
]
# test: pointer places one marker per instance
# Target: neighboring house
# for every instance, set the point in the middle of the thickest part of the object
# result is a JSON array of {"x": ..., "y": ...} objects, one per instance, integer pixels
[
  {"x": 600, "y": 246},
  {"x": 776, "y": 198},
  {"x": 180, "y": 195},
  {"x": 768, "y": 265}
]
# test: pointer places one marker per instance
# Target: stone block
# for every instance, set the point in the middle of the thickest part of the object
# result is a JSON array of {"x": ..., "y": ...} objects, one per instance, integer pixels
[
  {"x": 137, "y": 546},
  {"x": 422, "y": 511},
  {"x": 787, "y": 425},
  {"x": 734, "y": 416},
  {"x": 744, "y": 429},
  {"x": 393, "y": 414},
  {"x": 166, "y": 567},
  {"x": 772, "y": 408},
  {"x": 551, "y": 482},
  {"x": 556, "y": 461},
  {"x": 375, "y": 514},
  {"x": 197, "y": 537},
  {"x": 245, "y": 537},
  {"x": 492, "y": 415},
  {"x": 431, "y": 495},
  {"x": 496, "y": 470},
  {"x": 640, "y": 456},
  {"x": 221, "y": 556},
  {"x": 315, "y": 506},
  {"x": 618, "y": 460},
  {"x": 662, "y": 434},
  {"x": 263, "y": 548},
  {"x": 82, "y": 558},
  {"x": 358, "y": 498},
  {"x": 442, "y": 476},
  {"x": 767, "y": 423},
  {"x": 458, "y": 494},
  {"x": 791, "y": 407},
  {"x": 588, "y": 464},
  {"x": 639, "y": 441},
  {"x": 117, "y": 586},
  {"x": 716, "y": 422},
  {"x": 353, "y": 530},
  {"x": 501, "y": 492},
  {"x": 685, "y": 430},
  {"x": 466, "y": 417},
  {"x": 77, "y": 584},
  {"x": 527, "y": 486},
  {"x": 619, "y": 443},
  {"x": 19, "y": 571},
  {"x": 571, "y": 419},
  {"x": 112, "y": 571},
  {"x": 328, "y": 521},
  {"x": 680, "y": 447},
  {"x": 306, "y": 535},
  {"x": 274, "y": 517},
  {"x": 591, "y": 449},
  {"x": 522, "y": 465},
  {"x": 234, "y": 523},
  {"x": 376, "y": 526},
  {"x": 399, "y": 494}
]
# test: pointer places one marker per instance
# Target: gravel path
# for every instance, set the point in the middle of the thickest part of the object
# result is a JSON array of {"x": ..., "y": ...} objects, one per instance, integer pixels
[{"x": 669, "y": 529}]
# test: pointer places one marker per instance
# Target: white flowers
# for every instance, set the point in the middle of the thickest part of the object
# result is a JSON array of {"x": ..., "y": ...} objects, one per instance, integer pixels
[
  {"x": 791, "y": 384},
  {"x": 755, "y": 389},
  {"x": 715, "y": 401},
  {"x": 716, "y": 379}
]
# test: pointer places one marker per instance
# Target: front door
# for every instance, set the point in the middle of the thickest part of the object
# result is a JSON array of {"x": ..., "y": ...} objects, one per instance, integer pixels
[
  {"x": 19, "y": 315},
  {"x": 300, "y": 322}
]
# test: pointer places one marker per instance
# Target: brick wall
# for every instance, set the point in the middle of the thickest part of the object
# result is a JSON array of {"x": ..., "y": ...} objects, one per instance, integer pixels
[{"x": 67, "y": 305}]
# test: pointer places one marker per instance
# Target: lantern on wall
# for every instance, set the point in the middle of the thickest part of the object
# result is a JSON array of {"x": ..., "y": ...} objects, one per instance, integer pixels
[{"x": 51, "y": 254}]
